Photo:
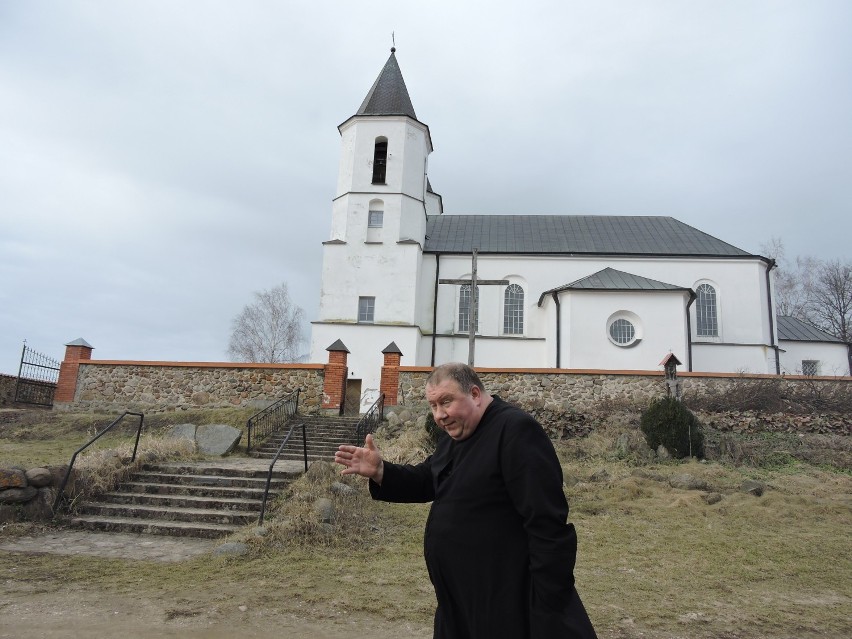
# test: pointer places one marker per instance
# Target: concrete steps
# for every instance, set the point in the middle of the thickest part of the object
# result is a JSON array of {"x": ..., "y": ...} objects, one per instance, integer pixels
[
  {"x": 205, "y": 499},
  {"x": 324, "y": 435}
]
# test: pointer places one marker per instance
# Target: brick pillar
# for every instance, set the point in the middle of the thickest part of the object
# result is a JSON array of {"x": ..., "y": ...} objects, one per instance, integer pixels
[
  {"x": 75, "y": 352},
  {"x": 389, "y": 384},
  {"x": 336, "y": 371}
]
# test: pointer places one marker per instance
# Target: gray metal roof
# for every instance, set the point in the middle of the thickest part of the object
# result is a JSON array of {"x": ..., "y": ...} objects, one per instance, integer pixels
[
  {"x": 576, "y": 234},
  {"x": 610, "y": 279},
  {"x": 80, "y": 342},
  {"x": 794, "y": 330},
  {"x": 388, "y": 95}
]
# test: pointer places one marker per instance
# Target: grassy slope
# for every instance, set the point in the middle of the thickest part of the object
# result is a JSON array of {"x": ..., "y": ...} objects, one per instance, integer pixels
[{"x": 652, "y": 559}]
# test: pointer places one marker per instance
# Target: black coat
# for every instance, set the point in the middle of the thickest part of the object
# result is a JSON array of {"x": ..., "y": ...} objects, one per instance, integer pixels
[{"x": 499, "y": 551}]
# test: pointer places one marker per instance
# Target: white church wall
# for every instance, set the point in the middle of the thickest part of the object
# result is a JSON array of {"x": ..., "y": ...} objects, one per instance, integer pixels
[
  {"x": 732, "y": 358},
  {"x": 408, "y": 147},
  {"x": 658, "y": 319},
  {"x": 832, "y": 358},
  {"x": 365, "y": 343},
  {"x": 488, "y": 352},
  {"x": 369, "y": 271},
  {"x": 433, "y": 204},
  {"x": 740, "y": 285}
]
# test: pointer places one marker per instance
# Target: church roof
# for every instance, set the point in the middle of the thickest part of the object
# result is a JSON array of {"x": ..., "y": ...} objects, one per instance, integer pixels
[
  {"x": 794, "y": 330},
  {"x": 576, "y": 234},
  {"x": 610, "y": 279},
  {"x": 388, "y": 95}
]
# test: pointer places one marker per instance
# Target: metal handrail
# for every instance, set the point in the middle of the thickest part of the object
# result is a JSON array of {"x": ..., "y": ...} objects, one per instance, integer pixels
[
  {"x": 267, "y": 421},
  {"x": 64, "y": 483},
  {"x": 275, "y": 459},
  {"x": 371, "y": 419}
]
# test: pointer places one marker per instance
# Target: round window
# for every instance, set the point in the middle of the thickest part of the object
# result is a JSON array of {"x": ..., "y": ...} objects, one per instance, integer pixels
[{"x": 622, "y": 332}]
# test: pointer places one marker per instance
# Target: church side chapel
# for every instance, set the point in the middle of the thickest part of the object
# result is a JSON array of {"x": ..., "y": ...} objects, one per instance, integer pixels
[{"x": 601, "y": 292}]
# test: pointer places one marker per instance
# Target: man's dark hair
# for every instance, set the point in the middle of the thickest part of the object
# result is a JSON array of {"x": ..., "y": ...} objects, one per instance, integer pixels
[{"x": 461, "y": 374}]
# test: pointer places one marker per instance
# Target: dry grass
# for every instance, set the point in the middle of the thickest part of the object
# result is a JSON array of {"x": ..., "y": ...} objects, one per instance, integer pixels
[
  {"x": 38, "y": 437},
  {"x": 653, "y": 561},
  {"x": 99, "y": 471}
]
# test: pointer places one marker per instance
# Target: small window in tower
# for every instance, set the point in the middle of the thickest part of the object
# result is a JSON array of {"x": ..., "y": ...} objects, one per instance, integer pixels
[
  {"x": 376, "y": 219},
  {"x": 380, "y": 159},
  {"x": 366, "y": 309}
]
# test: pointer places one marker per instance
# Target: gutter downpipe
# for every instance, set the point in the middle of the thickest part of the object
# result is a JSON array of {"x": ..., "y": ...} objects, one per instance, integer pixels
[
  {"x": 558, "y": 329},
  {"x": 435, "y": 306},
  {"x": 769, "y": 266},
  {"x": 689, "y": 332}
]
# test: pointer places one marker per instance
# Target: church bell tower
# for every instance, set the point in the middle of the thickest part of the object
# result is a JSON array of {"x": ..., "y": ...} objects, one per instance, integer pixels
[{"x": 372, "y": 260}]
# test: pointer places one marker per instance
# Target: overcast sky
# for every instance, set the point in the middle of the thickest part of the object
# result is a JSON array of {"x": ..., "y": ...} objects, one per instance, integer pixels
[{"x": 162, "y": 160}]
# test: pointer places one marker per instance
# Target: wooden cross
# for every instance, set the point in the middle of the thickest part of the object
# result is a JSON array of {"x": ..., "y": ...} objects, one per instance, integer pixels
[{"x": 473, "y": 282}]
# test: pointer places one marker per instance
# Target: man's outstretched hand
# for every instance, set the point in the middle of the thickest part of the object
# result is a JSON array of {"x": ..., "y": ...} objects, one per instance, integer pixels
[{"x": 366, "y": 461}]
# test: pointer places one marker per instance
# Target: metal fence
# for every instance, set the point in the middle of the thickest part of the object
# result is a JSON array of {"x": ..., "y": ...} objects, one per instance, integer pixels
[{"x": 37, "y": 377}]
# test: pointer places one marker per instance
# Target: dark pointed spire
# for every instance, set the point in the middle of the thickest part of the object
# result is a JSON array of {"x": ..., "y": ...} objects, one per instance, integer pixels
[{"x": 388, "y": 95}]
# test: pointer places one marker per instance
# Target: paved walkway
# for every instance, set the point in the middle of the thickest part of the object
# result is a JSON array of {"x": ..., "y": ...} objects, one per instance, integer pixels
[{"x": 111, "y": 545}]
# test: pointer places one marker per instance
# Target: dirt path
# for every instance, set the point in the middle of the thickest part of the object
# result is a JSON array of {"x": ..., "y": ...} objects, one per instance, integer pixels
[
  {"x": 33, "y": 609},
  {"x": 92, "y": 614}
]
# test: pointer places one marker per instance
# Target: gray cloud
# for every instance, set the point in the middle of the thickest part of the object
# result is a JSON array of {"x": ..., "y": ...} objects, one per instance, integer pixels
[{"x": 159, "y": 162}]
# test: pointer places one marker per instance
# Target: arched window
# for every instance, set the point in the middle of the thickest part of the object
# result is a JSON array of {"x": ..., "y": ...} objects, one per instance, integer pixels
[
  {"x": 375, "y": 220},
  {"x": 513, "y": 310},
  {"x": 380, "y": 159},
  {"x": 706, "y": 311},
  {"x": 464, "y": 309}
]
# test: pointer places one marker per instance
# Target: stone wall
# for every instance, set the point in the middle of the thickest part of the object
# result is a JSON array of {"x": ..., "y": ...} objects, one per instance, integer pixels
[
  {"x": 565, "y": 391},
  {"x": 110, "y": 385},
  {"x": 7, "y": 389},
  {"x": 28, "y": 494}
]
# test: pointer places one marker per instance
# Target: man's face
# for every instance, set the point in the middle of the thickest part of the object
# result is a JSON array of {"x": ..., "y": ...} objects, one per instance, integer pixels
[{"x": 456, "y": 412}]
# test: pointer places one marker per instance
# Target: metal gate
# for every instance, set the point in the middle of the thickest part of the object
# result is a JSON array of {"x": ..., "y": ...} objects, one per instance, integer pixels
[{"x": 37, "y": 377}]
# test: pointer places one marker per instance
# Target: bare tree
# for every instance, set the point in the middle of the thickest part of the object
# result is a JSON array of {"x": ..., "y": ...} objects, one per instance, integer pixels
[
  {"x": 268, "y": 330},
  {"x": 830, "y": 298},
  {"x": 815, "y": 291},
  {"x": 791, "y": 280}
]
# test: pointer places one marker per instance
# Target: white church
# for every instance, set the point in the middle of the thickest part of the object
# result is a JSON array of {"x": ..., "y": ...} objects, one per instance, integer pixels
[{"x": 593, "y": 292}]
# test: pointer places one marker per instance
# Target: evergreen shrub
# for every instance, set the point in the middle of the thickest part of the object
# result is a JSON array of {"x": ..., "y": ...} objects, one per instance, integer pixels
[{"x": 668, "y": 422}]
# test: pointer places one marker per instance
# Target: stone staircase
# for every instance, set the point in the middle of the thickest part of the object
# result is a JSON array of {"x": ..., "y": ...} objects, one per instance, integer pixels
[
  {"x": 193, "y": 499},
  {"x": 324, "y": 435}
]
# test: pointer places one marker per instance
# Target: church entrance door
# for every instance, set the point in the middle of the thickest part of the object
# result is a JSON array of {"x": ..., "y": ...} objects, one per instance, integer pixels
[{"x": 352, "y": 400}]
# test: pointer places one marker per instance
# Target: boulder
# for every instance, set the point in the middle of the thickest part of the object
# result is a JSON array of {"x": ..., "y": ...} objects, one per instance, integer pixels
[
  {"x": 646, "y": 474},
  {"x": 231, "y": 548},
  {"x": 711, "y": 498},
  {"x": 753, "y": 487},
  {"x": 12, "y": 478},
  {"x": 39, "y": 477},
  {"x": 663, "y": 453},
  {"x": 40, "y": 507},
  {"x": 599, "y": 475},
  {"x": 217, "y": 439},
  {"x": 325, "y": 509},
  {"x": 8, "y": 514},
  {"x": 186, "y": 431},
  {"x": 339, "y": 488},
  {"x": 17, "y": 495},
  {"x": 685, "y": 481}
]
